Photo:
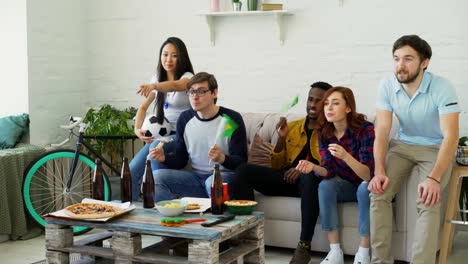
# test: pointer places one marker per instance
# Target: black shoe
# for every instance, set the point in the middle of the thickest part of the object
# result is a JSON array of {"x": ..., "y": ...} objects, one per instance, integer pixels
[{"x": 301, "y": 256}]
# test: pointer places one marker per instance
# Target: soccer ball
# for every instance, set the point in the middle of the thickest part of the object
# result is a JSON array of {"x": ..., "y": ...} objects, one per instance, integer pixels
[{"x": 155, "y": 130}]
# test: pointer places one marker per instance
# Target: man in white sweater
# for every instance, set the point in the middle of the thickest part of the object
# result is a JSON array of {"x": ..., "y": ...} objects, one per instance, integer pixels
[{"x": 199, "y": 144}]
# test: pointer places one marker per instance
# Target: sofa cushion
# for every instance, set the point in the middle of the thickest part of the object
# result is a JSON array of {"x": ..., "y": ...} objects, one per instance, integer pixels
[
  {"x": 265, "y": 125},
  {"x": 259, "y": 152},
  {"x": 13, "y": 128},
  {"x": 255, "y": 124}
]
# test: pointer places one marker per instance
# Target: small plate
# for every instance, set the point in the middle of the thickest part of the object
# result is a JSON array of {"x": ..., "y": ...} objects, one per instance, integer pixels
[{"x": 205, "y": 204}]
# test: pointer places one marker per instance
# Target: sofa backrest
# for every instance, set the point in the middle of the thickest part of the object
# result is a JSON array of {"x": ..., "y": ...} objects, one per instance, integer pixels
[{"x": 264, "y": 124}]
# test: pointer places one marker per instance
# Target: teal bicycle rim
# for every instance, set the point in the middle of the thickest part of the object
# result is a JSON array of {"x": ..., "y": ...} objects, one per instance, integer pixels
[{"x": 38, "y": 164}]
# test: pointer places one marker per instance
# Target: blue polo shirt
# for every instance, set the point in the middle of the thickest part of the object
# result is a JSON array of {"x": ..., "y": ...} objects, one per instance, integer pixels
[{"x": 419, "y": 116}]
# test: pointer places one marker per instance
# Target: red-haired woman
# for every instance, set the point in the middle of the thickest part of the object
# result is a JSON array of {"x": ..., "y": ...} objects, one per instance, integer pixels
[{"x": 346, "y": 146}]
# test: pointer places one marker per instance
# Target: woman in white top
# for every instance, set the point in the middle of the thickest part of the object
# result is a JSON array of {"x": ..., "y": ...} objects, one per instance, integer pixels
[{"x": 168, "y": 89}]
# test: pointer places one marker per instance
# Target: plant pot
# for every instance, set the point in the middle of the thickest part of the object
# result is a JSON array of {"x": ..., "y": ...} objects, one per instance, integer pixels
[
  {"x": 252, "y": 5},
  {"x": 237, "y": 6}
]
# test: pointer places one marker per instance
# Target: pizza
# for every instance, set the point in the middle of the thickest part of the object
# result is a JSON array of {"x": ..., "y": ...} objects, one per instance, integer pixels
[
  {"x": 240, "y": 203},
  {"x": 193, "y": 206},
  {"x": 91, "y": 211}
]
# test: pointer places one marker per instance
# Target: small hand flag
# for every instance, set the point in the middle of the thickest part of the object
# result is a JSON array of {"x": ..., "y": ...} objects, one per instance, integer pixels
[
  {"x": 290, "y": 105},
  {"x": 226, "y": 127},
  {"x": 229, "y": 126}
]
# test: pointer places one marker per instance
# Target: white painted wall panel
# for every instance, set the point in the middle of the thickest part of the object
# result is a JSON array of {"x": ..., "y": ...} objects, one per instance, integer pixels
[
  {"x": 14, "y": 60},
  {"x": 58, "y": 66},
  {"x": 117, "y": 44}
]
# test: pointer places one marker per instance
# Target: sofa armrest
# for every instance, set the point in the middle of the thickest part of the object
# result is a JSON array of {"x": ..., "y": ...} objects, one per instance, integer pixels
[{"x": 13, "y": 162}]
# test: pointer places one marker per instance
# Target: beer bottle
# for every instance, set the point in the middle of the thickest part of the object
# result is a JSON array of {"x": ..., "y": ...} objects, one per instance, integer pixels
[
  {"x": 217, "y": 200},
  {"x": 125, "y": 182},
  {"x": 98, "y": 182},
  {"x": 148, "y": 187}
]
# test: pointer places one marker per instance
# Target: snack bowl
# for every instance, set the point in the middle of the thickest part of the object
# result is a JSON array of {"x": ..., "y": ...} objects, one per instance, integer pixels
[
  {"x": 171, "y": 207},
  {"x": 240, "y": 207}
]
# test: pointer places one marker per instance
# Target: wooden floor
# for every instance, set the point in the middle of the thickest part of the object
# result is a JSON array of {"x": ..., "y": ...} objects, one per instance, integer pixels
[{"x": 31, "y": 251}]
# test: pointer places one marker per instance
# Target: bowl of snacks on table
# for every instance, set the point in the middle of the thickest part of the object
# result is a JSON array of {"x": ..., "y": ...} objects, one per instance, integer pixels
[
  {"x": 240, "y": 207},
  {"x": 171, "y": 207}
]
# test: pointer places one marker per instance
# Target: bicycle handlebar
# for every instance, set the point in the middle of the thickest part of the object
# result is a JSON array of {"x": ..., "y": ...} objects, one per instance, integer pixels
[
  {"x": 74, "y": 121},
  {"x": 77, "y": 121}
]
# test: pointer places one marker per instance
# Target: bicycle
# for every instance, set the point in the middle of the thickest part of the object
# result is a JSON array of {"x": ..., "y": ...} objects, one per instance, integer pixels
[{"x": 62, "y": 177}]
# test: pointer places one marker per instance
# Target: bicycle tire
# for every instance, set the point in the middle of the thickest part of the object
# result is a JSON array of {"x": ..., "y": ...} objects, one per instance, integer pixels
[{"x": 45, "y": 179}]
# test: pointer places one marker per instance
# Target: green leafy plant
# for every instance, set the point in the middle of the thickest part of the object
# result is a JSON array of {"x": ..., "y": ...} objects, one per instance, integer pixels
[
  {"x": 108, "y": 120},
  {"x": 462, "y": 143}
]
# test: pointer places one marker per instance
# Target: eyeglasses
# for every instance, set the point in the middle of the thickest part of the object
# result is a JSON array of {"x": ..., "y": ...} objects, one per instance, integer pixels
[{"x": 198, "y": 92}]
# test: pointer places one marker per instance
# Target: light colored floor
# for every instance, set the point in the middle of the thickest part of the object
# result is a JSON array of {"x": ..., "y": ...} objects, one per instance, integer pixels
[{"x": 33, "y": 250}]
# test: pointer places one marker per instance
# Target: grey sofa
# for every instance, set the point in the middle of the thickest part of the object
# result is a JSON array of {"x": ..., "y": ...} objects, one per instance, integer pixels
[{"x": 283, "y": 215}]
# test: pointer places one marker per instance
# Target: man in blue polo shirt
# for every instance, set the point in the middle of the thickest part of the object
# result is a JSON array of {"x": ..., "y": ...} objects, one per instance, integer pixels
[{"x": 427, "y": 109}]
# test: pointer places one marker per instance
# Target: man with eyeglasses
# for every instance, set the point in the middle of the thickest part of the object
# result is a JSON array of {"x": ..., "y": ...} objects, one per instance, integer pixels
[{"x": 198, "y": 144}]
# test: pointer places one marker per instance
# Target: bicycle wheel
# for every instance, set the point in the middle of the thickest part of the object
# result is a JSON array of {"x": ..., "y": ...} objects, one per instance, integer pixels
[{"x": 44, "y": 184}]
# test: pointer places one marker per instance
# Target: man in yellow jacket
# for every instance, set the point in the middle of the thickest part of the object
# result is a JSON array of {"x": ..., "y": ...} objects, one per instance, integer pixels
[{"x": 297, "y": 140}]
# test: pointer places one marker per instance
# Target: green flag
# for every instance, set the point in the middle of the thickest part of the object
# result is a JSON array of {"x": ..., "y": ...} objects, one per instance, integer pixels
[
  {"x": 229, "y": 126},
  {"x": 290, "y": 105}
]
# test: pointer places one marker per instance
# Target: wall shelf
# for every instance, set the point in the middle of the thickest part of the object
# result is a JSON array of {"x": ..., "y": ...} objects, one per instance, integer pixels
[{"x": 279, "y": 14}]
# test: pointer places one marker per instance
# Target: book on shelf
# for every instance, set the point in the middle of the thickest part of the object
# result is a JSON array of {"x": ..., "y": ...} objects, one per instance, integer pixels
[{"x": 270, "y": 7}]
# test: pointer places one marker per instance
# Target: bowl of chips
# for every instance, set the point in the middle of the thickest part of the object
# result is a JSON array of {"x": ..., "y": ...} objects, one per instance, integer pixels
[
  {"x": 240, "y": 207},
  {"x": 171, "y": 207}
]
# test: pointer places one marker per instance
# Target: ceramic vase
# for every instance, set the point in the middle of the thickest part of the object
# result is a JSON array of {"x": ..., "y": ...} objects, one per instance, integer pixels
[{"x": 237, "y": 6}]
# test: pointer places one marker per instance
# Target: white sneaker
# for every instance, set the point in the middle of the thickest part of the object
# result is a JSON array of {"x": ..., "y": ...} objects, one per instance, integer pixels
[
  {"x": 334, "y": 257},
  {"x": 362, "y": 259}
]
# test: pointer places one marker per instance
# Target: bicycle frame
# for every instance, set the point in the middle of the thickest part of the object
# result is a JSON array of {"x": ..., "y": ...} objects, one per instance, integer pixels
[{"x": 81, "y": 142}]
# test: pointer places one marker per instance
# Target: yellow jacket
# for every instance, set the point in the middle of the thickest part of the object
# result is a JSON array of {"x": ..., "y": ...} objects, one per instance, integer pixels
[{"x": 295, "y": 142}]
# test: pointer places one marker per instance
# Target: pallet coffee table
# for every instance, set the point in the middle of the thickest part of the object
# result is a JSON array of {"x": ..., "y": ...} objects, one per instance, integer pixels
[{"x": 190, "y": 243}]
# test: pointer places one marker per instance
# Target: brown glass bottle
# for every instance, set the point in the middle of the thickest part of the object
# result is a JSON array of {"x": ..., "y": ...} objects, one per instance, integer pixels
[
  {"x": 217, "y": 200},
  {"x": 98, "y": 182},
  {"x": 125, "y": 182},
  {"x": 147, "y": 187}
]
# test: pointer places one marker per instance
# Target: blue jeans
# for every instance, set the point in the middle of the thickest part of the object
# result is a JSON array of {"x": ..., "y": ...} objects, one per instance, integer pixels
[
  {"x": 171, "y": 184},
  {"x": 335, "y": 190},
  {"x": 137, "y": 165}
]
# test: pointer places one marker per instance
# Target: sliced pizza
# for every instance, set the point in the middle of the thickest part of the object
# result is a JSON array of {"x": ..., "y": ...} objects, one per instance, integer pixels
[
  {"x": 91, "y": 211},
  {"x": 193, "y": 206}
]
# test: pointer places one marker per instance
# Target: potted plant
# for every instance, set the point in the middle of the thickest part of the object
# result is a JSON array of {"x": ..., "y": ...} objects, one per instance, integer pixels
[
  {"x": 108, "y": 120},
  {"x": 252, "y": 5},
  {"x": 236, "y": 5}
]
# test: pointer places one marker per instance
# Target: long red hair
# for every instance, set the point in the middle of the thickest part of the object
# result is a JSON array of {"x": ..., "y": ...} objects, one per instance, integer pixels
[{"x": 354, "y": 119}]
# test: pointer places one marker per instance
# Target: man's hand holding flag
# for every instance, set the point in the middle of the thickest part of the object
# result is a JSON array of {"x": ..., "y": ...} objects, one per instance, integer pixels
[{"x": 226, "y": 128}]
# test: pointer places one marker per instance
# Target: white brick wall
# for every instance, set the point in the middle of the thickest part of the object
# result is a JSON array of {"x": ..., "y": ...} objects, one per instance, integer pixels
[
  {"x": 110, "y": 47},
  {"x": 14, "y": 60},
  {"x": 58, "y": 66}
]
